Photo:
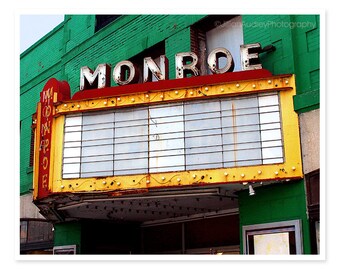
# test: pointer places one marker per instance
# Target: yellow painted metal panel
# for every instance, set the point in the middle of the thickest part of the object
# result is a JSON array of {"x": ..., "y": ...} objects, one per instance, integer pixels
[
  {"x": 290, "y": 129},
  {"x": 57, "y": 150}
]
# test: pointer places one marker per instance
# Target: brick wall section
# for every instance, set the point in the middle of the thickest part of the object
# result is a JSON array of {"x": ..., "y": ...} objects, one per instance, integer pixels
[
  {"x": 179, "y": 42},
  {"x": 307, "y": 62},
  {"x": 115, "y": 44},
  {"x": 37, "y": 60},
  {"x": 297, "y": 42},
  {"x": 267, "y": 30},
  {"x": 78, "y": 28}
]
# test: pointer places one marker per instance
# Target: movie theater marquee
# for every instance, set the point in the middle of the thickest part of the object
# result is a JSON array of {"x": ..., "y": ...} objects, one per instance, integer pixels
[{"x": 222, "y": 128}]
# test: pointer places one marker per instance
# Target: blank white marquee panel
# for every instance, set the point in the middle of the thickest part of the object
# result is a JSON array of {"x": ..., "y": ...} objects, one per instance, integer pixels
[{"x": 204, "y": 134}]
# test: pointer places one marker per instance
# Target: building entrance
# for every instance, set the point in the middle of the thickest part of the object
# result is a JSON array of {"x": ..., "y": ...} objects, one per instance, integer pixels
[
  {"x": 191, "y": 235},
  {"x": 200, "y": 235},
  {"x": 197, "y": 221}
]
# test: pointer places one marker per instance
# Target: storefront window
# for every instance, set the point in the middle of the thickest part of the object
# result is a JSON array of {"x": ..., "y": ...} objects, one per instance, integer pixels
[
  {"x": 103, "y": 20},
  {"x": 23, "y": 231},
  {"x": 279, "y": 238},
  {"x": 36, "y": 236}
]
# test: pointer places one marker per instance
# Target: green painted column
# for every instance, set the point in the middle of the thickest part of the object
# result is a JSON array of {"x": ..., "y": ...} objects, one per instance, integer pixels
[
  {"x": 275, "y": 203},
  {"x": 68, "y": 234},
  {"x": 306, "y": 37}
]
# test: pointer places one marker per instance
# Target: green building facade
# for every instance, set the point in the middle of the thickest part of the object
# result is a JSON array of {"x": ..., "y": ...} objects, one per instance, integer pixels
[{"x": 89, "y": 40}]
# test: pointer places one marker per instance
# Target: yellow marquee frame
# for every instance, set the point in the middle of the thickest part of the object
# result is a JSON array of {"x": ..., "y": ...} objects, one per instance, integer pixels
[{"x": 290, "y": 169}]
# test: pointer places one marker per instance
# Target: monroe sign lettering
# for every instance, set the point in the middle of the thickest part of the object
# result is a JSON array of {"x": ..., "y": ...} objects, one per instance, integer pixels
[
  {"x": 53, "y": 91},
  {"x": 126, "y": 72}
]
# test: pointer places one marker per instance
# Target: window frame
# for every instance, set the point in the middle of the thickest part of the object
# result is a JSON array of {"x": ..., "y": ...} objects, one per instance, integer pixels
[
  {"x": 295, "y": 226},
  {"x": 104, "y": 20},
  {"x": 65, "y": 250}
]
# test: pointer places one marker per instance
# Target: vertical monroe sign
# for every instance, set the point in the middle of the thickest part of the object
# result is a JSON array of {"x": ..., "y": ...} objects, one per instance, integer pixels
[{"x": 53, "y": 91}]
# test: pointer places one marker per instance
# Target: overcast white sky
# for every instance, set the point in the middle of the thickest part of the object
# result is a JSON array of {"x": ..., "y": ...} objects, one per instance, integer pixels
[{"x": 34, "y": 27}]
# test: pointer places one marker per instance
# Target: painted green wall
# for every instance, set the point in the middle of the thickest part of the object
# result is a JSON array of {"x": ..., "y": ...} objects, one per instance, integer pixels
[
  {"x": 279, "y": 202},
  {"x": 127, "y": 37},
  {"x": 68, "y": 233},
  {"x": 307, "y": 62},
  {"x": 297, "y": 42}
]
